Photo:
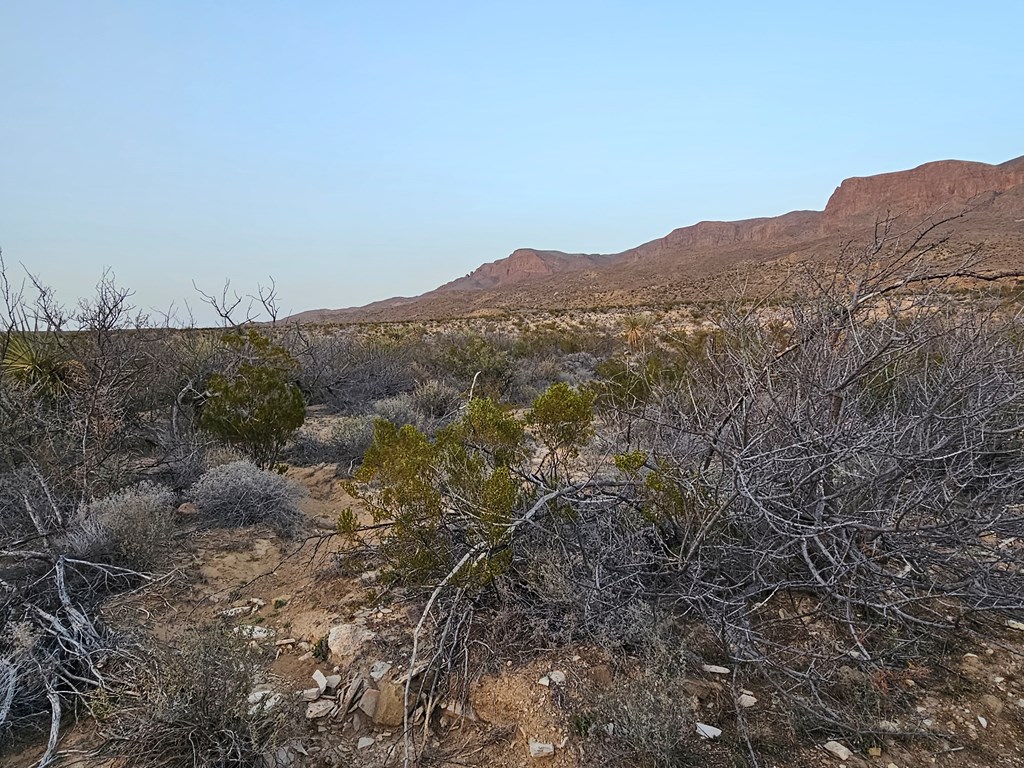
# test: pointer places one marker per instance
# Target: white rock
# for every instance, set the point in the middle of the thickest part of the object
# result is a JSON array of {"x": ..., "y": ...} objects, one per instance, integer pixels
[
  {"x": 557, "y": 677},
  {"x": 318, "y": 709},
  {"x": 320, "y": 679},
  {"x": 333, "y": 681},
  {"x": 263, "y": 701},
  {"x": 231, "y": 613},
  {"x": 253, "y": 632},
  {"x": 714, "y": 669},
  {"x": 347, "y": 640},
  {"x": 545, "y": 681},
  {"x": 365, "y": 742},
  {"x": 983, "y": 721},
  {"x": 286, "y": 641},
  {"x": 706, "y": 731},
  {"x": 541, "y": 748},
  {"x": 838, "y": 750},
  {"x": 1013, "y": 624},
  {"x": 379, "y": 669},
  {"x": 746, "y": 700},
  {"x": 311, "y": 694}
]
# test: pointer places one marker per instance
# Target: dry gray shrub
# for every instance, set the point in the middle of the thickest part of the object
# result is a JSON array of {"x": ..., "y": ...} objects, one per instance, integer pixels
[
  {"x": 240, "y": 494},
  {"x": 643, "y": 720},
  {"x": 193, "y": 707},
  {"x": 131, "y": 528}
]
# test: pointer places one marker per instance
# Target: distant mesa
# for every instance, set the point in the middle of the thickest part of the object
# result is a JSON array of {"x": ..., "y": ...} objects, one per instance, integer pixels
[{"x": 683, "y": 265}]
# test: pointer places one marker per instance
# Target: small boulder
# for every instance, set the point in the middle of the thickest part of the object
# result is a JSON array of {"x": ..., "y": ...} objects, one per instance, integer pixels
[
  {"x": 390, "y": 705},
  {"x": 838, "y": 750},
  {"x": 347, "y": 640},
  {"x": 992, "y": 704}
]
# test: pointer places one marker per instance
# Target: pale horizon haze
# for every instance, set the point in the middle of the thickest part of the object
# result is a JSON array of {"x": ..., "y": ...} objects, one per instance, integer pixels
[{"x": 361, "y": 150}]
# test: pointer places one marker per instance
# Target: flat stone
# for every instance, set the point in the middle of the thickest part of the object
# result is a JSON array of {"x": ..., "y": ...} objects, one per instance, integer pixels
[
  {"x": 368, "y": 702},
  {"x": 320, "y": 679},
  {"x": 333, "y": 681},
  {"x": 365, "y": 742},
  {"x": 318, "y": 709},
  {"x": 706, "y": 731},
  {"x": 311, "y": 694},
  {"x": 541, "y": 749},
  {"x": 379, "y": 669},
  {"x": 714, "y": 669},
  {"x": 347, "y": 640},
  {"x": 354, "y": 689},
  {"x": 838, "y": 750},
  {"x": 746, "y": 700},
  {"x": 286, "y": 641},
  {"x": 1014, "y": 624},
  {"x": 557, "y": 677},
  {"x": 545, "y": 681}
]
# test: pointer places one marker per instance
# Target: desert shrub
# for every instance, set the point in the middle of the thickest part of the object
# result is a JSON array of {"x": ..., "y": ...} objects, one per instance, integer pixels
[
  {"x": 254, "y": 407},
  {"x": 486, "y": 360},
  {"x": 240, "y": 494},
  {"x": 643, "y": 720},
  {"x": 399, "y": 410},
  {"x": 192, "y": 706},
  {"x": 341, "y": 440},
  {"x": 131, "y": 528},
  {"x": 347, "y": 373},
  {"x": 435, "y": 401}
]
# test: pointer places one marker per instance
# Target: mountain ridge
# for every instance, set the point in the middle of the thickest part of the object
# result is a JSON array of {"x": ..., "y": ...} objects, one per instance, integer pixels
[{"x": 530, "y": 277}]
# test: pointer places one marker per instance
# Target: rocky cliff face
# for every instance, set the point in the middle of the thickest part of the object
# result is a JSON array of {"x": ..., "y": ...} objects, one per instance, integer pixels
[
  {"x": 934, "y": 188},
  {"x": 709, "y": 235},
  {"x": 523, "y": 264}
]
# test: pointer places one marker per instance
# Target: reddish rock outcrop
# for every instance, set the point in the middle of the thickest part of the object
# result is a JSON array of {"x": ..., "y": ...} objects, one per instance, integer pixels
[{"x": 945, "y": 186}]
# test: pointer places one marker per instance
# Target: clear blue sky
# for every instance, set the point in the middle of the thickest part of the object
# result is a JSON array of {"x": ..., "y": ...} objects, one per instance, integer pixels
[{"x": 359, "y": 150}]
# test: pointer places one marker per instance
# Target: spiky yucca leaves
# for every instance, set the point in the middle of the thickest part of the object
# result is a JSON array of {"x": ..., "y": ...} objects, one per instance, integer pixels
[{"x": 39, "y": 365}]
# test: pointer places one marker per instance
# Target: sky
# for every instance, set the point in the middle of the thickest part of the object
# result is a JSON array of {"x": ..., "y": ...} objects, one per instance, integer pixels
[{"x": 359, "y": 150}]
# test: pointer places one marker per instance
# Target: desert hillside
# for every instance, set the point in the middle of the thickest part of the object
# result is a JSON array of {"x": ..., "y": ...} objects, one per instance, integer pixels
[{"x": 707, "y": 260}]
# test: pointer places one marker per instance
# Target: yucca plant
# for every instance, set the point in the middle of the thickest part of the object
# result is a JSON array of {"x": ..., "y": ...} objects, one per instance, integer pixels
[{"x": 39, "y": 365}]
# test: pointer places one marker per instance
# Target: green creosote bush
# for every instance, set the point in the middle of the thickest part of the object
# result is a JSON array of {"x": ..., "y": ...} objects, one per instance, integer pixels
[
  {"x": 458, "y": 492},
  {"x": 240, "y": 494},
  {"x": 254, "y": 408}
]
